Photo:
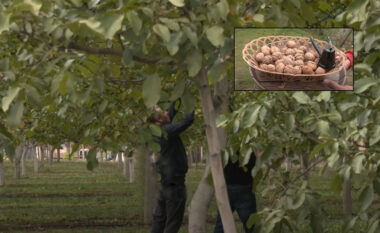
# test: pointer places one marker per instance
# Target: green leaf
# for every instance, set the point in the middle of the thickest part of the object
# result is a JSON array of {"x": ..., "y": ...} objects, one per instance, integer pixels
[
  {"x": 92, "y": 162},
  {"x": 349, "y": 224},
  {"x": 188, "y": 101},
  {"x": 324, "y": 95},
  {"x": 223, "y": 9},
  {"x": 178, "y": 90},
  {"x": 215, "y": 35},
  {"x": 374, "y": 227},
  {"x": 363, "y": 84},
  {"x": 156, "y": 130},
  {"x": 173, "y": 44},
  {"x": 316, "y": 221},
  {"x": 178, "y": 3},
  {"x": 15, "y": 114},
  {"x": 344, "y": 106},
  {"x": 258, "y": 18},
  {"x": 172, "y": 24},
  {"x": 375, "y": 137},
  {"x": 135, "y": 21},
  {"x": 252, "y": 220},
  {"x": 4, "y": 21},
  {"x": 301, "y": 97},
  {"x": 127, "y": 57},
  {"x": 363, "y": 117},
  {"x": 324, "y": 6},
  {"x": 151, "y": 90},
  {"x": 194, "y": 62},
  {"x": 236, "y": 125},
  {"x": 250, "y": 116},
  {"x": 323, "y": 127},
  {"x": 307, "y": 12},
  {"x": 33, "y": 6},
  {"x": 107, "y": 26},
  {"x": 366, "y": 197},
  {"x": 162, "y": 31},
  {"x": 192, "y": 36},
  {"x": 103, "y": 105},
  {"x": 77, "y": 3},
  {"x": 317, "y": 149},
  {"x": 218, "y": 72},
  {"x": 268, "y": 152},
  {"x": 290, "y": 121},
  {"x": 357, "y": 163},
  {"x": 11, "y": 95},
  {"x": 365, "y": 68}
]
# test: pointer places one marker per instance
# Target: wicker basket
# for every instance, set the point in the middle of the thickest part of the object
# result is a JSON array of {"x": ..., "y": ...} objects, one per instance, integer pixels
[{"x": 249, "y": 54}]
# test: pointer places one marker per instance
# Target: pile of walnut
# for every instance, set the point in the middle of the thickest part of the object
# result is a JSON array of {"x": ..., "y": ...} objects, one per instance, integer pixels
[{"x": 290, "y": 59}]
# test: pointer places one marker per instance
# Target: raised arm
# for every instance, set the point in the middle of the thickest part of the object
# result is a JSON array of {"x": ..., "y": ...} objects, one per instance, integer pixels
[{"x": 182, "y": 125}]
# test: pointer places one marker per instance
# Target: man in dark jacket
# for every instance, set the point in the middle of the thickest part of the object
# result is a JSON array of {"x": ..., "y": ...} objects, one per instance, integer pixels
[
  {"x": 239, "y": 187},
  {"x": 172, "y": 166}
]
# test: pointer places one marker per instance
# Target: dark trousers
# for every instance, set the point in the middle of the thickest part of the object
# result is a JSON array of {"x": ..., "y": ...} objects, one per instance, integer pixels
[
  {"x": 170, "y": 209},
  {"x": 243, "y": 200}
]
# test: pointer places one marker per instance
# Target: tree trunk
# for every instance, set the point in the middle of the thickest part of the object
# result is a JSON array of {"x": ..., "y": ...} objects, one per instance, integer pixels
[
  {"x": 42, "y": 156},
  {"x": 199, "y": 205},
  {"x": 51, "y": 155},
  {"x": 120, "y": 160},
  {"x": 151, "y": 189},
  {"x": 2, "y": 170},
  {"x": 214, "y": 147},
  {"x": 131, "y": 165},
  {"x": 126, "y": 166},
  {"x": 17, "y": 159},
  {"x": 347, "y": 198},
  {"x": 23, "y": 158},
  {"x": 35, "y": 158},
  {"x": 58, "y": 155},
  {"x": 201, "y": 153}
]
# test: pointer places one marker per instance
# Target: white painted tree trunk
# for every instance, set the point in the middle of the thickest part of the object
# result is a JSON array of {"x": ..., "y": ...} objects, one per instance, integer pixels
[
  {"x": 199, "y": 205},
  {"x": 151, "y": 189},
  {"x": 126, "y": 167},
  {"x": 35, "y": 159},
  {"x": 120, "y": 160},
  {"x": 201, "y": 153},
  {"x": 214, "y": 146}
]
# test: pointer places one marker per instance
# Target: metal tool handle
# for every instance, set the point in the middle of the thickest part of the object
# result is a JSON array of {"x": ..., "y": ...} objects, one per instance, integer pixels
[
  {"x": 330, "y": 43},
  {"x": 316, "y": 46}
]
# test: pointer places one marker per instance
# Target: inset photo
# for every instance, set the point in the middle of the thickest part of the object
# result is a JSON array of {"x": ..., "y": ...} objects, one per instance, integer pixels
[{"x": 318, "y": 59}]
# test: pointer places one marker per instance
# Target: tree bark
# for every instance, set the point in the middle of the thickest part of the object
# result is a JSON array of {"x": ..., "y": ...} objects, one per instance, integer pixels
[
  {"x": 151, "y": 189},
  {"x": 347, "y": 198},
  {"x": 17, "y": 159},
  {"x": 42, "y": 155},
  {"x": 35, "y": 158},
  {"x": 58, "y": 154},
  {"x": 51, "y": 155},
  {"x": 120, "y": 160},
  {"x": 23, "y": 158},
  {"x": 126, "y": 166},
  {"x": 199, "y": 205},
  {"x": 131, "y": 165},
  {"x": 2, "y": 170},
  {"x": 215, "y": 146}
]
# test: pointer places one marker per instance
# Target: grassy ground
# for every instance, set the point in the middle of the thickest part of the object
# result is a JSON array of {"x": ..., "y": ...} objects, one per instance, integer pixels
[
  {"x": 243, "y": 80},
  {"x": 65, "y": 197}
]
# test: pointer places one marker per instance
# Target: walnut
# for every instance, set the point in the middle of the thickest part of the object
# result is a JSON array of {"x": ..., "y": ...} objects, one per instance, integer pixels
[
  {"x": 280, "y": 67},
  {"x": 288, "y": 69},
  {"x": 287, "y": 60},
  {"x": 274, "y": 49},
  {"x": 291, "y": 44},
  {"x": 264, "y": 66},
  {"x": 276, "y": 56},
  {"x": 271, "y": 67},
  {"x": 307, "y": 69},
  {"x": 298, "y": 63},
  {"x": 312, "y": 64},
  {"x": 283, "y": 50},
  {"x": 259, "y": 57},
  {"x": 303, "y": 48},
  {"x": 309, "y": 56},
  {"x": 299, "y": 51},
  {"x": 266, "y": 50},
  {"x": 267, "y": 59},
  {"x": 290, "y": 52},
  {"x": 320, "y": 70},
  {"x": 299, "y": 56},
  {"x": 279, "y": 61}
]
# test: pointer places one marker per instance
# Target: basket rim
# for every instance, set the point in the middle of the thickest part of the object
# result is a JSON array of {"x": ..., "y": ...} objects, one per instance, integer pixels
[{"x": 285, "y": 38}]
